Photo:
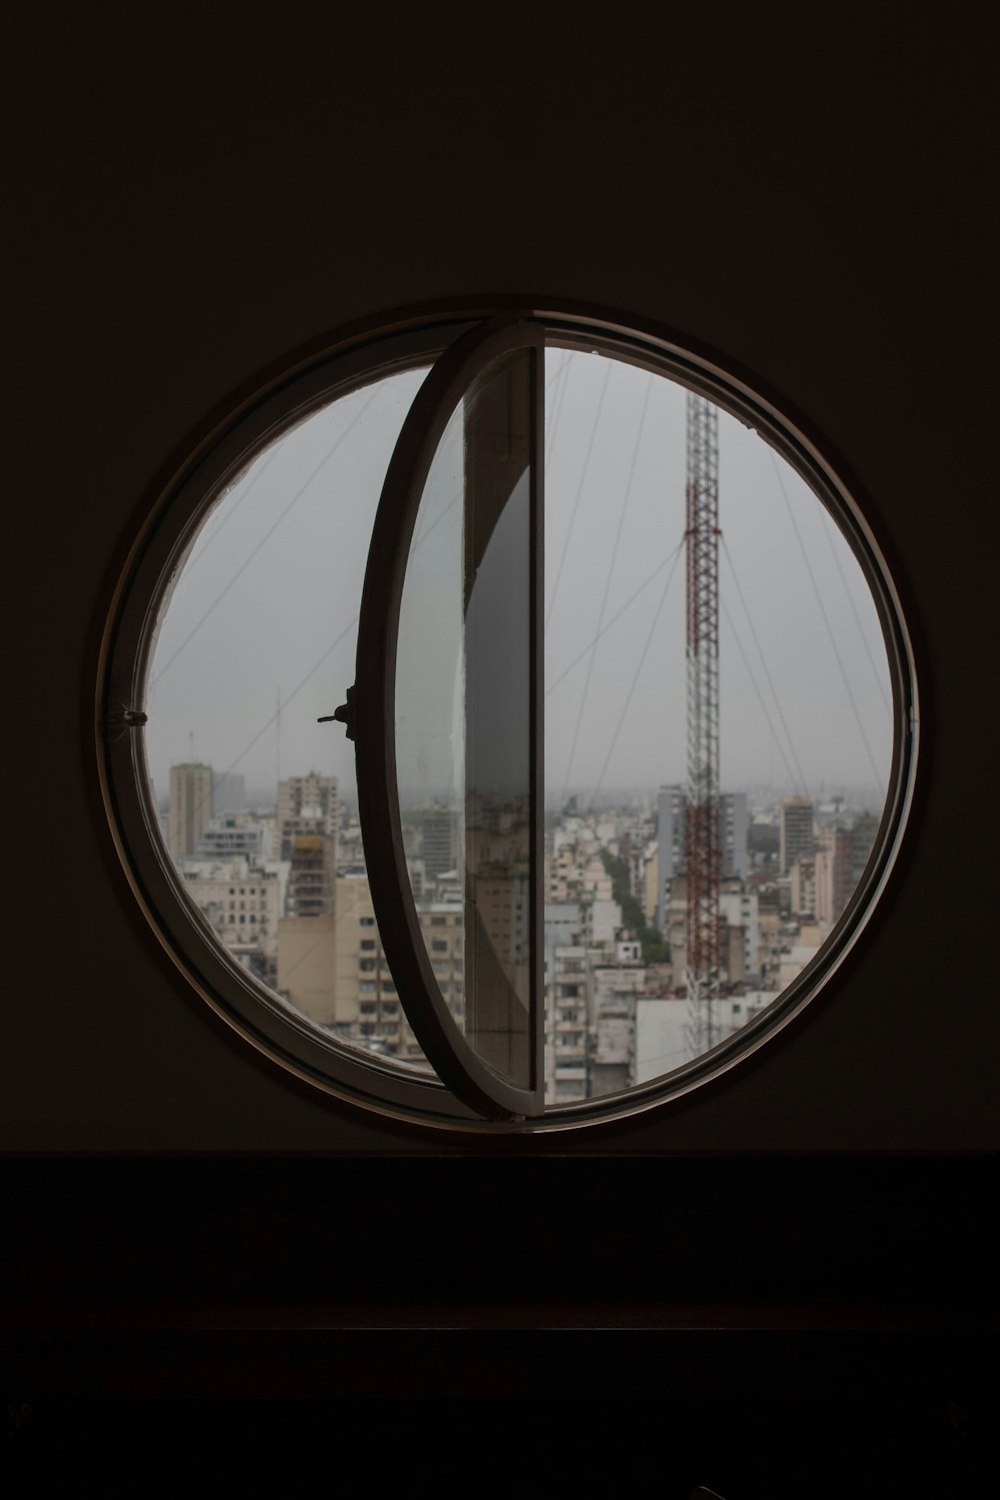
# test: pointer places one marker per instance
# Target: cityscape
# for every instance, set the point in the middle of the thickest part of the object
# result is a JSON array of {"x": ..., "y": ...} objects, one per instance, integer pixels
[
  {"x": 674, "y": 913},
  {"x": 283, "y": 886}
]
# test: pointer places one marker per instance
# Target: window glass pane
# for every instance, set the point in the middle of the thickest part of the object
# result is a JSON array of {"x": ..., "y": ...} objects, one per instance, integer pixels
[
  {"x": 463, "y": 737},
  {"x": 802, "y": 707},
  {"x": 257, "y": 640}
]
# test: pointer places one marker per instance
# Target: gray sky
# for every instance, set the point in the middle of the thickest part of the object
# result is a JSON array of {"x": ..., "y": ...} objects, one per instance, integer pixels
[{"x": 267, "y": 603}]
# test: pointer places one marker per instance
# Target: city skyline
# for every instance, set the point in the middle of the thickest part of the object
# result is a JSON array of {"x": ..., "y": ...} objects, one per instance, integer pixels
[
  {"x": 262, "y": 800},
  {"x": 263, "y": 610},
  {"x": 287, "y": 894}
]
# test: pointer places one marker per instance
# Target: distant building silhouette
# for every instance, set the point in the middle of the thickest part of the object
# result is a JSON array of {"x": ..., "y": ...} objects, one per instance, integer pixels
[{"x": 797, "y": 838}]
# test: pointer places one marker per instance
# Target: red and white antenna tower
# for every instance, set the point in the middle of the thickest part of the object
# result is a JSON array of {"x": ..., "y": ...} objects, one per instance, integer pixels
[{"x": 703, "y": 851}]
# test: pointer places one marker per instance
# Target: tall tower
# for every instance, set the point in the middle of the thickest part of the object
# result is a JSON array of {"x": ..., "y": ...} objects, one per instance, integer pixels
[
  {"x": 190, "y": 806},
  {"x": 703, "y": 832}
]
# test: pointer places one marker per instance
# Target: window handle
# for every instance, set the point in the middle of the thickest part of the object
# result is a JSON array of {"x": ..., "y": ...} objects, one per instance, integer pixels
[{"x": 343, "y": 715}]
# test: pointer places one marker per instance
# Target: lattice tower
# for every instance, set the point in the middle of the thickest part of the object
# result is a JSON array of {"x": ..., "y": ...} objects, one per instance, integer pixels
[{"x": 703, "y": 840}]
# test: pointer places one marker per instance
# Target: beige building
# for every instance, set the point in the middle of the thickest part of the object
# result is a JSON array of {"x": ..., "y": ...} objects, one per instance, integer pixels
[
  {"x": 803, "y": 886},
  {"x": 770, "y": 946},
  {"x": 443, "y": 927},
  {"x": 650, "y": 883},
  {"x": 190, "y": 807},
  {"x": 836, "y": 876},
  {"x": 306, "y": 805},
  {"x": 503, "y": 906},
  {"x": 307, "y": 965},
  {"x": 825, "y": 867},
  {"x": 333, "y": 970},
  {"x": 312, "y": 874},
  {"x": 243, "y": 901}
]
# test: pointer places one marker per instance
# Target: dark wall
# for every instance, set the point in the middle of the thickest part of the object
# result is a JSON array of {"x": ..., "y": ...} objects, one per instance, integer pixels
[
  {"x": 187, "y": 205},
  {"x": 188, "y": 210}
]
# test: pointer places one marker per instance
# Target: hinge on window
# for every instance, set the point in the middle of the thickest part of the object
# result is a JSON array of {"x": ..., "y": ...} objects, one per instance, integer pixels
[
  {"x": 120, "y": 718},
  {"x": 343, "y": 715}
]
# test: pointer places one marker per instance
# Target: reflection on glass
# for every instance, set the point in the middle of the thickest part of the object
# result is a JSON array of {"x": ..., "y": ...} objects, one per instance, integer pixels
[
  {"x": 256, "y": 640},
  {"x": 430, "y": 718},
  {"x": 498, "y": 777},
  {"x": 462, "y": 716}
]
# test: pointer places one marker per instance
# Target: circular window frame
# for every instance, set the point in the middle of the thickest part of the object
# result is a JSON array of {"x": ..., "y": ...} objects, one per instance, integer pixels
[{"x": 157, "y": 552}]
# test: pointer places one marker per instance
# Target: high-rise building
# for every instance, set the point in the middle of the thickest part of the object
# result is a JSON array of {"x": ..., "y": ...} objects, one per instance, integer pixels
[
  {"x": 312, "y": 874},
  {"x": 566, "y": 1044},
  {"x": 834, "y": 873},
  {"x": 797, "y": 839},
  {"x": 438, "y": 842},
  {"x": 803, "y": 886},
  {"x": 190, "y": 806},
  {"x": 734, "y": 821},
  {"x": 334, "y": 971},
  {"x": 307, "y": 805},
  {"x": 671, "y": 809}
]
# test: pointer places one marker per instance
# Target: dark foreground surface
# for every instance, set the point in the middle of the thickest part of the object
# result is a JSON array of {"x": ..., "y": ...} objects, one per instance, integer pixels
[{"x": 766, "y": 1328}]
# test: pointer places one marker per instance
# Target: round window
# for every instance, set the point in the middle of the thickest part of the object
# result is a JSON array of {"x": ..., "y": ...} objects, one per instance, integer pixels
[{"x": 507, "y": 722}]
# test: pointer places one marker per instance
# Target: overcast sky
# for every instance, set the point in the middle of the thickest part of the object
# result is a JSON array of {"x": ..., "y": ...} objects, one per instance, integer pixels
[{"x": 266, "y": 605}]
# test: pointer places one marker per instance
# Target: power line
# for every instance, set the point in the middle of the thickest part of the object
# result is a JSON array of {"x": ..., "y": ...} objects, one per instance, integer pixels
[
  {"x": 826, "y": 620},
  {"x": 635, "y": 679},
  {"x": 267, "y": 535},
  {"x": 579, "y": 489},
  {"x": 418, "y": 542},
  {"x": 828, "y": 531},
  {"x": 670, "y": 557},
  {"x": 607, "y": 583},
  {"x": 259, "y": 471},
  {"x": 760, "y": 698},
  {"x": 767, "y": 672},
  {"x": 351, "y": 625},
  {"x": 293, "y": 694}
]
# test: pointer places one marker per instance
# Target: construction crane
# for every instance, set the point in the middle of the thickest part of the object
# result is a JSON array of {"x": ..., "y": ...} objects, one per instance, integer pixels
[{"x": 703, "y": 834}]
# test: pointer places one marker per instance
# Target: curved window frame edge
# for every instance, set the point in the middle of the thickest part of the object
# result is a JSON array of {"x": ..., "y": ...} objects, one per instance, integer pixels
[{"x": 157, "y": 550}]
